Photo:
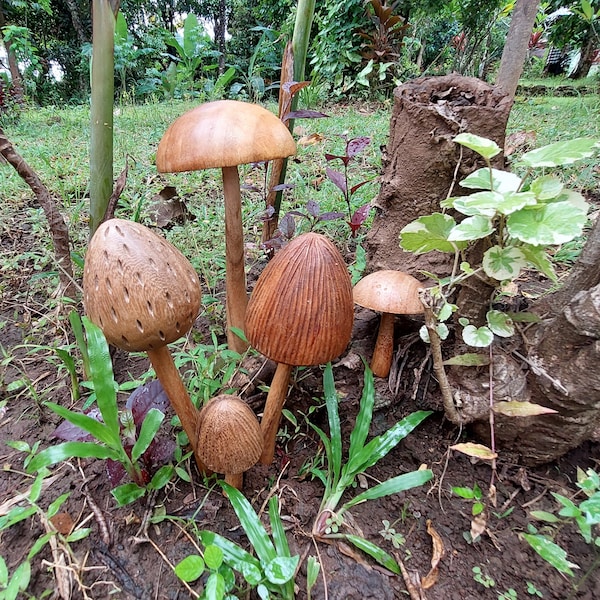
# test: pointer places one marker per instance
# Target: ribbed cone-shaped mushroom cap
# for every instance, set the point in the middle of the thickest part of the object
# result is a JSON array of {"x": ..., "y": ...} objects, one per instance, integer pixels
[
  {"x": 138, "y": 288},
  {"x": 229, "y": 435},
  {"x": 389, "y": 292},
  {"x": 224, "y": 133},
  {"x": 301, "y": 310}
]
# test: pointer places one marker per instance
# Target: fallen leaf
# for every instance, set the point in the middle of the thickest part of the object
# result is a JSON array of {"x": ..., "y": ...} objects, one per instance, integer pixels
[
  {"x": 438, "y": 552},
  {"x": 478, "y": 525},
  {"x": 412, "y": 581},
  {"x": 311, "y": 139},
  {"x": 63, "y": 523},
  {"x": 475, "y": 450},
  {"x": 515, "y": 408}
]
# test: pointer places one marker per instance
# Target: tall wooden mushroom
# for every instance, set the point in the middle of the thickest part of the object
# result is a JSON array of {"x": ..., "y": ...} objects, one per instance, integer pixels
[
  {"x": 224, "y": 134},
  {"x": 300, "y": 313},
  {"x": 144, "y": 294},
  {"x": 390, "y": 293}
]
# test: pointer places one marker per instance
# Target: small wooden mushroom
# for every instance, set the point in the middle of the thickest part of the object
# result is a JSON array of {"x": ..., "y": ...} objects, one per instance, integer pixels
[
  {"x": 144, "y": 294},
  {"x": 229, "y": 439},
  {"x": 300, "y": 313},
  {"x": 224, "y": 134},
  {"x": 390, "y": 293}
]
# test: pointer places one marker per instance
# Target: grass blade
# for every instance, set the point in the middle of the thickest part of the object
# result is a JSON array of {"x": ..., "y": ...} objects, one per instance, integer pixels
[
  {"x": 95, "y": 428},
  {"x": 394, "y": 485},
  {"x": 251, "y": 523},
  {"x": 374, "y": 551},
  {"x": 67, "y": 450},
  {"x": 378, "y": 447},
  {"x": 365, "y": 414},
  {"x": 101, "y": 373},
  {"x": 233, "y": 555},
  {"x": 335, "y": 434}
]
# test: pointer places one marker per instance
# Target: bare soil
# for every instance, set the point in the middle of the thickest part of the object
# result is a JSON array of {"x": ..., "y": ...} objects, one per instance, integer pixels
[{"x": 129, "y": 557}]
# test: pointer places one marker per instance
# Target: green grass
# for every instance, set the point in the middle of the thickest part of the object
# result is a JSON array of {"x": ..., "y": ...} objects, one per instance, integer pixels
[{"x": 54, "y": 142}]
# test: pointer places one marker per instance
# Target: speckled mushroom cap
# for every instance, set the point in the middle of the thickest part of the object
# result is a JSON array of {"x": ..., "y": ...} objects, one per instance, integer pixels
[
  {"x": 223, "y": 133},
  {"x": 301, "y": 310},
  {"x": 229, "y": 435},
  {"x": 138, "y": 288},
  {"x": 389, "y": 292}
]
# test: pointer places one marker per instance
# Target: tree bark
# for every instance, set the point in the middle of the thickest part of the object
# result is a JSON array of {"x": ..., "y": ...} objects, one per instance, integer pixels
[
  {"x": 420, "y": 161},
  {"x": 56, "y": 223},
  {"x": 18, "y": 92},
  {"x": 587, "y": 54},
  {"x": 516, "y": 45}
]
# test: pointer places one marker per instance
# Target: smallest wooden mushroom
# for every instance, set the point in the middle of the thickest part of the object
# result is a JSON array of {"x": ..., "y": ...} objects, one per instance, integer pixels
[
  {"x": 390, "y": 293},
  {"x": 229, "y": 438}
]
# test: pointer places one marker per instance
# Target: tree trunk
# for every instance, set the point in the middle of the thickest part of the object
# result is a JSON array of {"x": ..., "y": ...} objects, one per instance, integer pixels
[
  {"x": 220, "y": 34},
  {"x": 516, "y": 45},
  {"x": 586, "y": 57},
  {"x": 553, "y": 363},
  {"x": 15, "y": 75},
  {"x": 421, "y": 159},
  {"x": 76, "y": 20}
]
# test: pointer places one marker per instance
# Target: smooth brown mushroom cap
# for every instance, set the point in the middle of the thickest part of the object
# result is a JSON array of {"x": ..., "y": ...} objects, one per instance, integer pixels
[
  {"x": 229, "y": 435},
  {"x": 301, "y": 310},
  {"x": 389, "y": 292},
  {"x": 138, "y": 288},
  {"x": 224, "y": 133}
]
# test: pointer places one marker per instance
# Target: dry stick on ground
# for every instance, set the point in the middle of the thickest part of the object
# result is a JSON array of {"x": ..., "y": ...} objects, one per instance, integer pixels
[{"x": 58, "y": 227}]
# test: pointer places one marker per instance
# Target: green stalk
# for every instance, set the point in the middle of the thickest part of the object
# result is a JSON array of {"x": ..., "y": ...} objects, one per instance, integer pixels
[{"x": 102, "y": 78}]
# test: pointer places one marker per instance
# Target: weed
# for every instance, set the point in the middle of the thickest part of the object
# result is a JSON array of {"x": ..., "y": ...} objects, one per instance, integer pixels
[
  {"x": 339, "y": 476},
  {"x": 585, "y": 516},
  {"x": 532, "y": 590},
  {"x": 390, "y": 534},
  {"x": 483, "y": 578},
  {"x": 509, "y": 594},
  {"x": 126, "y": 440}
]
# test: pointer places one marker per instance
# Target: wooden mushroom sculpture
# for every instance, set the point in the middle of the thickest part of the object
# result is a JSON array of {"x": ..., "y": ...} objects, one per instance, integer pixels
[
  {"x": 144, "y": 294},
  {"x": 229, "y": 439},
  {"x": 224, "y": 134},
  {"x": 300, "y": 313},
  {"x": 390, "y": 293}
]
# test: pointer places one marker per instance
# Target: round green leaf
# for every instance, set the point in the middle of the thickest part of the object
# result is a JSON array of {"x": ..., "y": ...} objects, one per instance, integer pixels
[
  {"x": 429, "y": 233},
  {"x": 561, "y": 153},
  {"x": 479, "y": 203},
  {"x": 190, "y": 568},
  {"x": 483, "y": 146},
  {"x": 546, "y": 187},
  {"x": 471, "y": 228},
  {"x": 513, "y": 201},
  {"x": 503, "y": 263},
  {"x": 480, "y": 337},
  {"x": 213, "y": 556},
  {"x": 554, "y": 223},
  {"x": 251, "y": 573},
  {"x": 281, "y": 569},
  {"x": 500, "y": 323},
  {"x": 500, "y": 181},
  {"x": 215, "y": 587},
  {"x": 127, "y": 493}
]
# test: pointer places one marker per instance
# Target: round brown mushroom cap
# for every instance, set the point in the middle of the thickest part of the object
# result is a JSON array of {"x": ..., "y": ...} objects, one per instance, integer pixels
[
  {"x": 229, "y": 435},
  {"x": 301, "y": 310},
  {"x": 389, "y": 292},
  {"x": 223, "y": 133},
  {"x": 138, "y": 288}
]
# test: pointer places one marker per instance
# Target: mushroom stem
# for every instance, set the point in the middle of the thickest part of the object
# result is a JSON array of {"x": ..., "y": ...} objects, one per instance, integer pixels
[
  {"x": 169, "y": 376},
  {"x": 235, "y": 275},
  {"x": 384, "y": 346},
  {"x": 235, "y": 480},
  {"x": 272, "y": 414}
]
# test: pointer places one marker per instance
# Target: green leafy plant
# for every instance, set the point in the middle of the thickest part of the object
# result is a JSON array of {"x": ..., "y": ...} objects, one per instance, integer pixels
[
  {"x": 520, "y": 218},
  {"x": 107, "y": 429},
  {"x": 483, "y": 578},
  {"x": 340, "y": 476},
  {"x": 473, "y": 494},
  {"x": 272, "y": 571},
  {"x": 585, "y": 516}
]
